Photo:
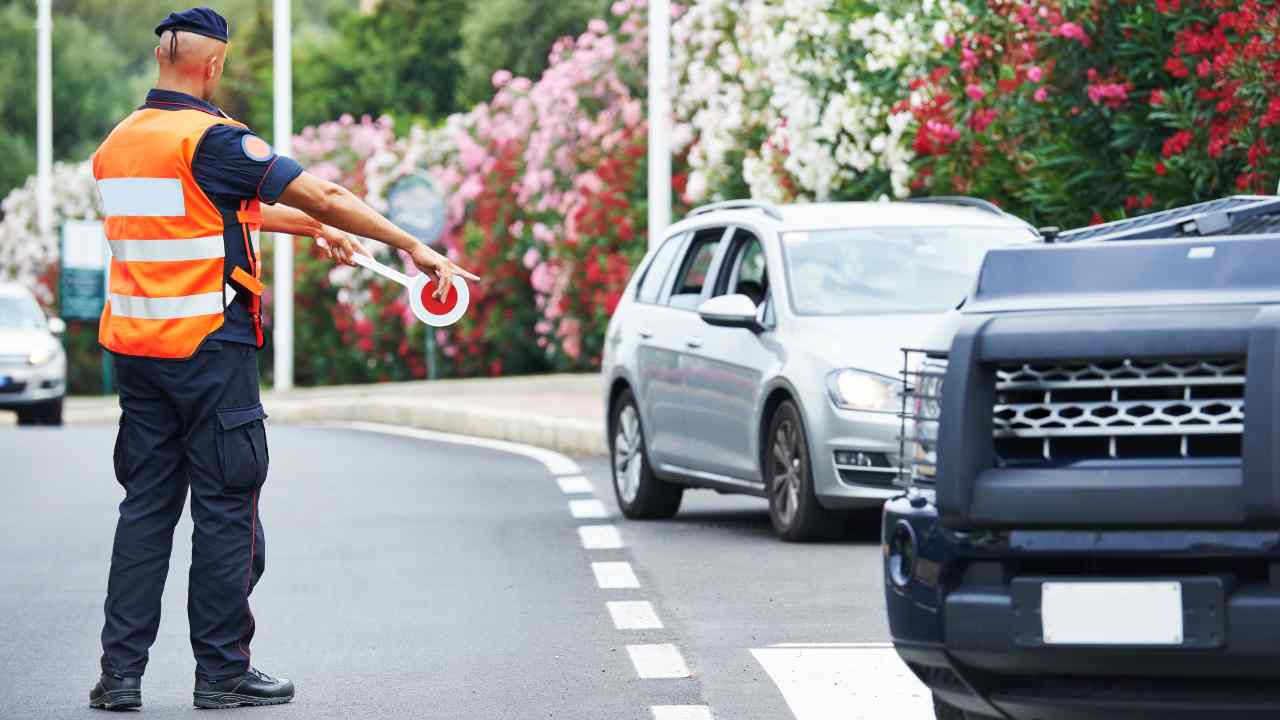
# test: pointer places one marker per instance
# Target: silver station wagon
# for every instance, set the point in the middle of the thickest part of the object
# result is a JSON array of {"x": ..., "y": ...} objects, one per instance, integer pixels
[{"x": 757, "y": 350}]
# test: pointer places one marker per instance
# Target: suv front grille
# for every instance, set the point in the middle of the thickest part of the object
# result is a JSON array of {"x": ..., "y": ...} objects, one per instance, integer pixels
[{"x": 1119, "y": 409}]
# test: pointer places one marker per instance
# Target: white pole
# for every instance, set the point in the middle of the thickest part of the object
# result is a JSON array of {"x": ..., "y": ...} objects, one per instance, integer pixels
[
  {"x": 659, "y": 118},
  {"x": 283, "y": 136},
  {"x": 44, "y": 119}
]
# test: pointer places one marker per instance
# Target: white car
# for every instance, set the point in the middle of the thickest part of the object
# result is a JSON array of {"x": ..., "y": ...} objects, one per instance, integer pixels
[
  {"x": 33, "y": 366},
  {"x": 757, "y": 349}
]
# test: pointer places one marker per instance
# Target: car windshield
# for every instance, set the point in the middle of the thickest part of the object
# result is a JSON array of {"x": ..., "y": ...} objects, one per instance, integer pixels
[
  {"x": 20, "y": 313},
  {"x": 857, "y": 271}
]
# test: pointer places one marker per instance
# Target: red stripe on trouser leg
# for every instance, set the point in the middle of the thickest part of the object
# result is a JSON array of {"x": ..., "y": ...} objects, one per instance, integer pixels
[{"x": 248, "y": 581}]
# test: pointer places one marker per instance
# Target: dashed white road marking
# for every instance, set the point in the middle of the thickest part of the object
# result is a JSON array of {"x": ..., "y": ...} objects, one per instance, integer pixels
[
  {"x": 591, "y": 509},
  {"x": 681, "y": 712},
  {"x": 634, "y": 615},
  {"x": 575, "y": 484},
  {"x": 600, "y": 537},
  {"x": 615, "y": 575},
  {"x": 556, "y": 463},
  {"x": 845, "y": 681},
  {"x": 660, "y": 660}
]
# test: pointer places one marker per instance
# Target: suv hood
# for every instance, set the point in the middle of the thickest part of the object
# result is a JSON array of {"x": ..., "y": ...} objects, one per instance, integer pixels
[
  {"x": 1137, "y": 273},
  {"x": 867, "y": 342}
]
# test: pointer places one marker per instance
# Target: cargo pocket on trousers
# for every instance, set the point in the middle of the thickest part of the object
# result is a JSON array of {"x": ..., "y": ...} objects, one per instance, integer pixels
[{"x": 242, "y": 447}]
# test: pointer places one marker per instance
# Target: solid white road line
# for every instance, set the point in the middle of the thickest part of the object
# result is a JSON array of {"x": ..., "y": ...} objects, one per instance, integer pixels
[
  {"x": 614, "y": 575},
  {"x": 634, "y": 615},
  {"x": 591, "y": 509},
  {"x": 556, "y": 463},
  {"x": 662, "y": 660},
  {"x": 575, "y": 484},
  {"x": 681, "y": 712},
  {"x": 600, "y": 537},
  {"x": 863, "y": 645},
  {"x": 846, "y": 682}
]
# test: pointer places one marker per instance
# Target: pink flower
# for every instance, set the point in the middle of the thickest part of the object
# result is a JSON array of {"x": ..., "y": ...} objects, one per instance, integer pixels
[
  {"x": 1072, "y": 31},
  {"x": 531, "y": 258},
  {"x": 1035, "y": 74},
  {"x": 975, "y": 92},
  {"x": 598, "y": 27},
  {"x": 501, "y": 78},
  {"x": 1041, "y": 95},
  {"x": 982, "y": 119},
  {"x": 968, "y": 59},
  {"x": 1113, "y": 94}
]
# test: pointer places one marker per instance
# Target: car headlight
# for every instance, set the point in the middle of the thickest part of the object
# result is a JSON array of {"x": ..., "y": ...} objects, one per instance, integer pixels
[
  {"x": 42, "y": 354},
  {"x": 924, "y": 408},
  {"x": 852, "y": 389}
]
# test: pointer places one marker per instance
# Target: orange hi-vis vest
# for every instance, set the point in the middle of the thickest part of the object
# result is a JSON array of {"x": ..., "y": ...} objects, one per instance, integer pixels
[{"x": 169, "y": 284}]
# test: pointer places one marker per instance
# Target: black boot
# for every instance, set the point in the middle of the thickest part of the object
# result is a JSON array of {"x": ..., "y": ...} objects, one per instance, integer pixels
[
  {"x": 252, "y": 688},
  {"x": 116, "y": 693}
]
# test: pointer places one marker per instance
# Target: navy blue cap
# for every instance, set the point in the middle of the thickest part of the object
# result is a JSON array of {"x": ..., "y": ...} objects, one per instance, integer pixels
[{"x": 201, "y": 21}]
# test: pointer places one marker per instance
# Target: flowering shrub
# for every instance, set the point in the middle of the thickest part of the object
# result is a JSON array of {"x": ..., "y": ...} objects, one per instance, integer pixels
[
  {"x": 1074, "y": 111},
  {"x": 547, "y": 201},
  {"x": 795, "y": 100}
]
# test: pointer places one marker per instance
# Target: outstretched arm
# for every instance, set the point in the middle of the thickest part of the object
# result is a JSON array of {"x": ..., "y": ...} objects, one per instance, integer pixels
[
  {"x": 339, "y": 245},
  {"x": 335, "y": 205}
]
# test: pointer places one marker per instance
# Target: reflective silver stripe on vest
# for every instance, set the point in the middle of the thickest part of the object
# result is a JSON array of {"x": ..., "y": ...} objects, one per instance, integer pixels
[
  {"x": 142, "y": 197},
  {"x": 201, "y": 248},
  {"x": 257, "y": 250},
  {"x": 166, "y": 308}
]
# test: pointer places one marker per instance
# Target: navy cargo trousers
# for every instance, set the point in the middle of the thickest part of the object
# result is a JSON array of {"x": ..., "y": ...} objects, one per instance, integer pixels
[{"x": 188, "y": 423}]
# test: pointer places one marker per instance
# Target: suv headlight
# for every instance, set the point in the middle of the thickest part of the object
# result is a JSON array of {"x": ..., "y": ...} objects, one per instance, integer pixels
[
  {"x": 852, "y": 389},
  {"x": 924, "y": 410},
  {"x": 42, "y": 354}
]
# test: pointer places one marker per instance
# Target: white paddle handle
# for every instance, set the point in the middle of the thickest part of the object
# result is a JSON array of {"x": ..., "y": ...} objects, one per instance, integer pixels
[{"x": 383, "y": 270}]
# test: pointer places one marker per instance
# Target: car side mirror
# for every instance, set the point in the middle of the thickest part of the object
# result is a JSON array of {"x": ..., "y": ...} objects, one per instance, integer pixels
[
  {"x": 735, "y": 311},
  {"x": 57, "y": 325}
]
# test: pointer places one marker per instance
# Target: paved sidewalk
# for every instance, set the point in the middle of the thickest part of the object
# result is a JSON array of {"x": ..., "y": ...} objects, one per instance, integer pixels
[{"x": 560, "y": 412}]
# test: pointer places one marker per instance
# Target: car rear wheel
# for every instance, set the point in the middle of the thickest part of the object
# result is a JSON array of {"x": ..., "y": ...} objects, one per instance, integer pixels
[
  {"x": 794, "y": 509},
  {"x": 641, "y": 494}
]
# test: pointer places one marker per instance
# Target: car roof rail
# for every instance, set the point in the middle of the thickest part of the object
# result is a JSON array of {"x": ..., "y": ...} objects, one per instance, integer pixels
[
  {"x": 767, "y": 208},
  {"x": 961, "y": 201}
]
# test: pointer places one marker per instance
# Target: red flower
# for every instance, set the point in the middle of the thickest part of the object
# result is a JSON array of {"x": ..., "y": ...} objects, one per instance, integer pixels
[
  {"x": 1160, "y": 169},
  {"x": 1096, "y": 219},
  {"x": 1177, "y": 143},
  {"x": 1157, "y": 97}
]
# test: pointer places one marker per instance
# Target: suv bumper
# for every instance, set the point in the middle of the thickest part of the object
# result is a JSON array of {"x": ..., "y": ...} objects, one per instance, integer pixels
[{"x": 957, "y": 622}]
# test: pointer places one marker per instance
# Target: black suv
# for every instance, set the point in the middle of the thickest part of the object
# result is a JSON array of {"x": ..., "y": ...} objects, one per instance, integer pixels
[{"x": 1093, "y": 524}]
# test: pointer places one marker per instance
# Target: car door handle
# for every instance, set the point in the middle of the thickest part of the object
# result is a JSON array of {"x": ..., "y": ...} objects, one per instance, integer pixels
[
  {"x": 693, "y": 343},
  {"x": 645, "y": 334}
]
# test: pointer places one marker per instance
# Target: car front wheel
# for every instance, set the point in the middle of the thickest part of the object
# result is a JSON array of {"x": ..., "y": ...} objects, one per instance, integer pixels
[
  {"x": 794, "y": 509},
  {"x": 641, "y": 494}
]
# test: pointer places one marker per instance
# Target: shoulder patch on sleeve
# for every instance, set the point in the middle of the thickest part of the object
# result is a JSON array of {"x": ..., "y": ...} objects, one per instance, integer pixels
[{"x": 255, "y": 148}]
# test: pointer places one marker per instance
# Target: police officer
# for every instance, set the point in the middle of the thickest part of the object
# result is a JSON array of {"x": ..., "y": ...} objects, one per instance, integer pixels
[{"x": 185, "y": 190}]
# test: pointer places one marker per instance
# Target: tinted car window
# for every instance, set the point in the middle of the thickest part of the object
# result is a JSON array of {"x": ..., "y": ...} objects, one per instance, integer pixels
[
  {"x": 687, "y": 291},
  {"x": 651, "y": 283},
  {"x": 746, "y": 271}
]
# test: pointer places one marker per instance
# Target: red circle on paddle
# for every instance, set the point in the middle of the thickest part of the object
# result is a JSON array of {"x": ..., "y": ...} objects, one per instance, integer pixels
[{"x": 435, "y": 306}]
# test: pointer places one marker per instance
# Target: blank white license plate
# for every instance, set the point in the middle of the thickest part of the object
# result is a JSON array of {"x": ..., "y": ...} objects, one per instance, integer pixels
[{"x": 1111, "y": 613}]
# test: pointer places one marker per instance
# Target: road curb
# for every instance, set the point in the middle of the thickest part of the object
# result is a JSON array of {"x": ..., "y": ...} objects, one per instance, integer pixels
[{"x": 566, "y": 435}]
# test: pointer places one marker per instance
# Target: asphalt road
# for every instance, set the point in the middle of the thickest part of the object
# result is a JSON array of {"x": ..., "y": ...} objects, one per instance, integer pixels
[{"x": 409, "y": 578}]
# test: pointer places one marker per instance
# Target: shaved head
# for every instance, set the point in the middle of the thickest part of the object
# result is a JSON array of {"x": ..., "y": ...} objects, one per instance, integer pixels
[{"x": 190, "y": 63}]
